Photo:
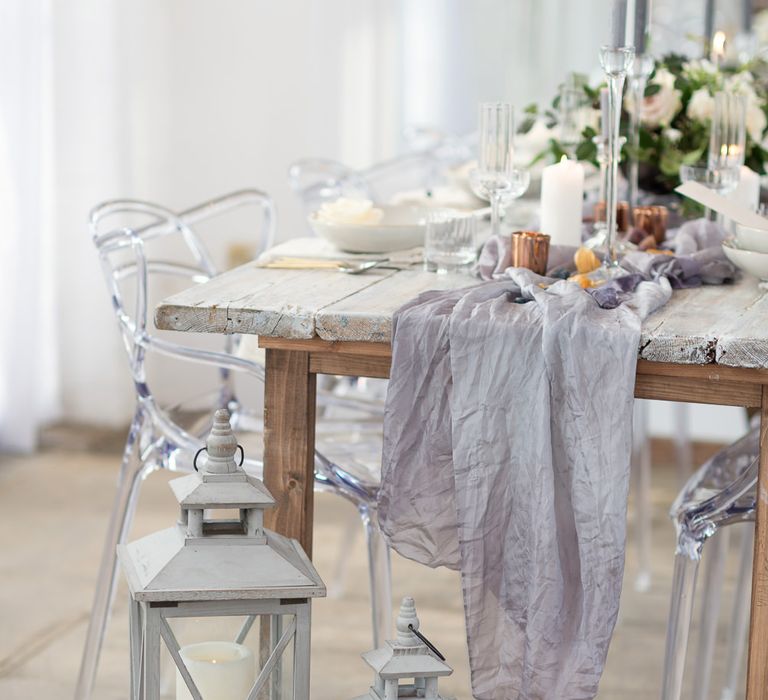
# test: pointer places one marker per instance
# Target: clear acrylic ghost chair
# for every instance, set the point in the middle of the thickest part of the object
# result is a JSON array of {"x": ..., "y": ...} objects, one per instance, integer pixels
[
  {"x": 641, "y": 478},
  {"x": 317, "y": 180},
  {"x": 155, "y": 439},
  {"x": 722, "y": 492}
]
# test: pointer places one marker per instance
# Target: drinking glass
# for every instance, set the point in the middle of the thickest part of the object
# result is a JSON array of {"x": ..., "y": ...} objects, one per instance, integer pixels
[
  {"x": 728, "y": 135},
  {"x": 492, "y": 178},
  {"x": 450, "y": 241}
]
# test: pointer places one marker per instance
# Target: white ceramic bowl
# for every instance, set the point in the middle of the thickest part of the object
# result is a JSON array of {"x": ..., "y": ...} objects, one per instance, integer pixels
[
  {"x": 748, "y": 238},
  {"x": 750, "y": 261},
  {"x": 401, "y": 227}
]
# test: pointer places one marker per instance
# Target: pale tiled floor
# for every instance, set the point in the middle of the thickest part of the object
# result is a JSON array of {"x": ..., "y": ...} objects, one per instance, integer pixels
[{"x": 53, "y": 509}]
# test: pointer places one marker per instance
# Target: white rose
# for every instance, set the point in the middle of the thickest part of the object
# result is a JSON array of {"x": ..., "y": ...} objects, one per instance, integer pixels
[
  {"x": 673, "y": 135},
  {"x": 742, "y": 82},
  {"x": 701, "y": 105},
  {"x": 660, "y": 109}
]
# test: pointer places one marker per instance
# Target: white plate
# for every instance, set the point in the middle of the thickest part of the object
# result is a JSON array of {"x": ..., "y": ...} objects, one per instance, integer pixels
[
  {"x": 750, "y": 261},
  {"x": 401, "y": 227},
  {"x": 749, "y": 238}
]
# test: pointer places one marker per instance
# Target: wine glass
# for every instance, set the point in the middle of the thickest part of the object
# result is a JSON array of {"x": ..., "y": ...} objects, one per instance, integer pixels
[
  {"x": 493, "y": 177},
  {"x": 519, "y": 181}
]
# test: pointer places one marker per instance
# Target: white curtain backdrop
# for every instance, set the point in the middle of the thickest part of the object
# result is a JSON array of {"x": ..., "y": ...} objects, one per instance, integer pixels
[{"x": 28, "y": 372}]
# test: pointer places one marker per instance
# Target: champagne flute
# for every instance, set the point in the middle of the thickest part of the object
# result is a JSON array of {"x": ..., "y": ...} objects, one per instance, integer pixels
[{"x": 493, "y": 176}]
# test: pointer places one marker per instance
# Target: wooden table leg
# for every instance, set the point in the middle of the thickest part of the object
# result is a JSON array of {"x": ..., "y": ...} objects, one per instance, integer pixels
[
  {"x": 757, "y": 668},
  {"x": 289, "y": 443}
]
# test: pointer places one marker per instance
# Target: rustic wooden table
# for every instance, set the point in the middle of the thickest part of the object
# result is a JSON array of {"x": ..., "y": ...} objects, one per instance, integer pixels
[{"x": 707, "y": 345}]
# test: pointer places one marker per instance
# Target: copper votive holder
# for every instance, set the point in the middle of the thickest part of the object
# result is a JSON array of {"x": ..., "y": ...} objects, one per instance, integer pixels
[
  {"x": 530, "y": 249},
  {"x": 622, "y": 214},
  {"x": 652, "y": 220}
]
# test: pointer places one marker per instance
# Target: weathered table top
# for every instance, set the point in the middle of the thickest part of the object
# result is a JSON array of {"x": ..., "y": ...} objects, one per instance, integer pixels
[{"x": 722, "y": 324}]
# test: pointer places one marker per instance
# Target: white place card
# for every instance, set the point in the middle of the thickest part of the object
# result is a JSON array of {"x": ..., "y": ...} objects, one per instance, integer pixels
[{"x": 722, "y": 205}]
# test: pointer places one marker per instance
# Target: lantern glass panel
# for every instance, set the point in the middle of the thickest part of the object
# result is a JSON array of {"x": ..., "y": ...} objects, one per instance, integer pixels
[{"x": 210, "y": 648}]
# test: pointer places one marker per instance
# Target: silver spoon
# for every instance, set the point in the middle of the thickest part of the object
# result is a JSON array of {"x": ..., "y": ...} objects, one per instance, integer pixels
[{"x": 349, "y": 267}]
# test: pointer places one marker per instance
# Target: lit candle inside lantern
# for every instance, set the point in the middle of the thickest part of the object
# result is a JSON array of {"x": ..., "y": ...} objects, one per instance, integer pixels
[
  {"x": 562, "y": 194},
  {"x": 220, "y": 670}
]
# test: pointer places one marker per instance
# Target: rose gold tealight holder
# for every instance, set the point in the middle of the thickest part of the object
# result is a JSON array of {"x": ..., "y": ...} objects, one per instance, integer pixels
[
  {"x": 652, "y": 220},
  {"x": 530, "y": 249},
  {"x": 622, "y": 214}
]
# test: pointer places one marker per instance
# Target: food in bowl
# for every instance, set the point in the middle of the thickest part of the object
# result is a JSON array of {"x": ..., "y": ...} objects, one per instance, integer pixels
[
  {"x": 354, "y": 229},
  {"x": 346, "y": 210}
]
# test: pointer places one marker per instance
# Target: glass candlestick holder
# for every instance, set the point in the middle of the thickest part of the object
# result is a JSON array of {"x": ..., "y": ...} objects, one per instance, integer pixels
[
  {"x": 598, "y": 239},
  {"x": 616, "y": 61},
  {"x": 641, "y": 69}
]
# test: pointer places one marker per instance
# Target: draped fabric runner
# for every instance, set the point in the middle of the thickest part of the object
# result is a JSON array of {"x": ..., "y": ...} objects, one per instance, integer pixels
[{"x": 506, "y": 455}]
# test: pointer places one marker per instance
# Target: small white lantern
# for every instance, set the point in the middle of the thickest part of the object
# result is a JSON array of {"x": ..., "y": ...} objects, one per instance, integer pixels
[
  {"x": 204, "y": 567},
  {"x": 408, "y": 667}
]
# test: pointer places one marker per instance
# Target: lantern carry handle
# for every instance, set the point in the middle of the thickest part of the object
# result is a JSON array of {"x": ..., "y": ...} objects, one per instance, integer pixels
[
  {"x": 204, "y": 448},
  {"x": 429, "y": 644}
]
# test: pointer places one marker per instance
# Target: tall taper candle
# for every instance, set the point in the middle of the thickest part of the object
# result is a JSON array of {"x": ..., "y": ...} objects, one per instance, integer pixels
[
  {"x": 619, "y": 23},
  {"x": 746, "y": 18},
  {"x": 641, "y": 25},
  {"x": 709, "y": 24}
]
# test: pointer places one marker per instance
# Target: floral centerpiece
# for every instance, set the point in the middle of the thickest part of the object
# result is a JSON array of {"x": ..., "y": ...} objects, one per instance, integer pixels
[{"x": 674, "y": 118}]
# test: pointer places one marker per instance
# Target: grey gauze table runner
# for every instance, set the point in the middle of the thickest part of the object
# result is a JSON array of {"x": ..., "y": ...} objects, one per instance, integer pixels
[{"x": 506, "y": 455}]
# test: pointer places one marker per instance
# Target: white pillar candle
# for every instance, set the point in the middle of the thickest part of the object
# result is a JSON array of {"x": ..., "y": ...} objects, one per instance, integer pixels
[
  {"x": 747, "y": 193},
  {"x": 221, "y": 671},
  {"x": 562, "y": 194}
]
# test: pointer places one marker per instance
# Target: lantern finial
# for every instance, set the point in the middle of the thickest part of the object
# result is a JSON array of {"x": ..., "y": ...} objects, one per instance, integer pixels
[
  {"x": 221, "y": 446},
  {"x": 407, "y": 616}
]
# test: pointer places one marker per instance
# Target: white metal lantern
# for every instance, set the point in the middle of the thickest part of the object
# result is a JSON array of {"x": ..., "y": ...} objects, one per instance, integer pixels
[
  {"x": 204, "y": 567},
  {"x": 408, "y": 667}
]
